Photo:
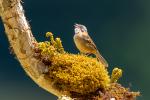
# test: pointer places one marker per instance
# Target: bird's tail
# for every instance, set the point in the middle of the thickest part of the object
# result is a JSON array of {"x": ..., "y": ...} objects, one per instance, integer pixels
[{"x": 101, "y": 59}]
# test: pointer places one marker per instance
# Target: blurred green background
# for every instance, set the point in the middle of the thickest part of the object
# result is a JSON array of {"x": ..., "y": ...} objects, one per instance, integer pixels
[{"x": 120, "y": 29}]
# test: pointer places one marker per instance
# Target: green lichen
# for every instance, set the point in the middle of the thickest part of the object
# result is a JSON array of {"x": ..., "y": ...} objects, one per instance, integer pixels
[{"x": 56, "y": 43}]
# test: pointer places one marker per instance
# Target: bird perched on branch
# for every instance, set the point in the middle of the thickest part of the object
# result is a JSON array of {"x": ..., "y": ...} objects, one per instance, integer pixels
[{"x": 85, "y": 44}]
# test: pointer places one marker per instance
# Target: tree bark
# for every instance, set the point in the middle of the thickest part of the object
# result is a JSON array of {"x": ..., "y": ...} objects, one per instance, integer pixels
[{"x": 22, "y": 41}]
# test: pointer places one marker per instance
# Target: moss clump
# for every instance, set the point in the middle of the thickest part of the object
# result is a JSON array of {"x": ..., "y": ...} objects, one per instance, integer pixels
[
  {"x": 78, "y": 73},
  {"x": 70, "y": 72}
]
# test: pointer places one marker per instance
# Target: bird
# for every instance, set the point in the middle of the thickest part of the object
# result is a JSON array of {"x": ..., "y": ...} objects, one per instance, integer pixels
[{"x": 85, "y": 43}]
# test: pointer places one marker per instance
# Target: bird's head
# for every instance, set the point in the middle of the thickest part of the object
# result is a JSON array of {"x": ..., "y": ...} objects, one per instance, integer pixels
[{"x": 78, "y": 28}]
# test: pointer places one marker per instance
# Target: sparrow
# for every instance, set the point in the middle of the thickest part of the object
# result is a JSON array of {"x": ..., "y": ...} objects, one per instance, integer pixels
[{"x": 85, "y": 44}]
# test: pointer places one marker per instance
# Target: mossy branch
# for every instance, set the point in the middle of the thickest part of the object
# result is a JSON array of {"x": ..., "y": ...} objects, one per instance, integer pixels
[
  {"x": 22, "y": 41},
  {"x": 62, "y": 74}
]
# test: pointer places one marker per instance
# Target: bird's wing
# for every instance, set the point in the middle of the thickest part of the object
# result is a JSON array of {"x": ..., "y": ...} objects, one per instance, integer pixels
[
  {"x": 90, "y": 41},
  {"x": 98, "y": 55}
]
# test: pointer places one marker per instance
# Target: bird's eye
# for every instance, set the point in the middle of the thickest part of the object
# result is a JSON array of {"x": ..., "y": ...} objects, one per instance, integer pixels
[
  {"x": 82, "y": 30},
  {"x": 77, "y": 30}
]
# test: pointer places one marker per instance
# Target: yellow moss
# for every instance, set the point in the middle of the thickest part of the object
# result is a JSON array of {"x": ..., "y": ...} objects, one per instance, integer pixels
[
  {"x": 52, "y": 41},
  {"x": 78, "y": 73},
  {"x": 81, "y": 76},
  {"x": 49, "y": 34},
  {"x": 59, "y": 45},
  {"x": 70, "y": 72},
  {"x": 116, "y": 74}
]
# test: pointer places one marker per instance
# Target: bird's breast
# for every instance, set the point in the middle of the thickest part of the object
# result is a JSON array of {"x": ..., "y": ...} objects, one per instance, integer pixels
[{"x": 81, "y": 44}]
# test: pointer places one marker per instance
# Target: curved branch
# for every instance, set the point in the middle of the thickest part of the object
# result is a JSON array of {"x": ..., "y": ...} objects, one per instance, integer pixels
[{"x": 20, "y": 37}]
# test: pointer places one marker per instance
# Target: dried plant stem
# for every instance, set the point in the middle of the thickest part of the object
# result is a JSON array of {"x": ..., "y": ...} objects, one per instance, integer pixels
[{"x": 20, "y": 37}]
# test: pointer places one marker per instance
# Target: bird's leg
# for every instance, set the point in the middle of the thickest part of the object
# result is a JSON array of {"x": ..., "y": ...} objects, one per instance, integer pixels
[{"x": 87, "y": 54}]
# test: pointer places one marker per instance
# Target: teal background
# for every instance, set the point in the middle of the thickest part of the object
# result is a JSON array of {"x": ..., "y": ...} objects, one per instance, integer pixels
[{"x": 120, "y": 29}]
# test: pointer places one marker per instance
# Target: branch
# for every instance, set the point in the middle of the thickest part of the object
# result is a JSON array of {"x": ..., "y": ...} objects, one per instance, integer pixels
[
  {"x": 21, "y": 39},
  {"x": 60, "y": 73}
]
